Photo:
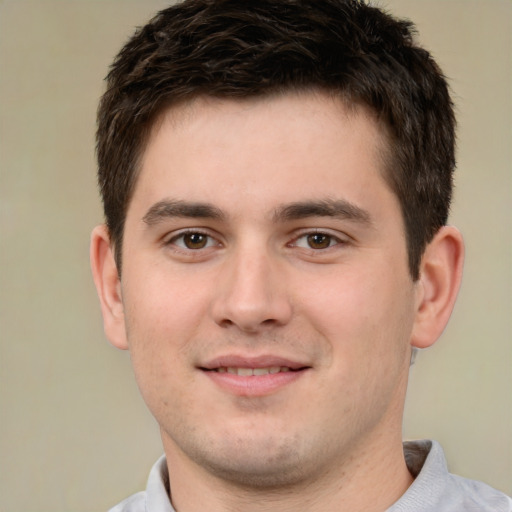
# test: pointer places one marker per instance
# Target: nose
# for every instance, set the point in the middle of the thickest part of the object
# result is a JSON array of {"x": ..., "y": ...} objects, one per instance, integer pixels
[{"x": 251, "y": 294}]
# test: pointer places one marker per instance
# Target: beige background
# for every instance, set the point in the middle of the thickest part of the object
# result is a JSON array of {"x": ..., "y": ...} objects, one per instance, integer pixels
[{"x": 74, "y": 434}]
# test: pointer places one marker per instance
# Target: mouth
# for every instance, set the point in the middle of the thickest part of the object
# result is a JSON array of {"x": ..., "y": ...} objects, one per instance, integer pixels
[{"x": 253, "y": 376}]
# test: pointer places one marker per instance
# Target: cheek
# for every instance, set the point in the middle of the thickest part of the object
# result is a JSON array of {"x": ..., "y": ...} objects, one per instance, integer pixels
[
  {"x": 161, "y": 365},
  {"x": 164, "y": 306},
  {"x": 367, "y": 326},
  {"x": 367, "y": 318},
  {"x": 348, "y": 302},
  {"x": 162, "y": 316}
]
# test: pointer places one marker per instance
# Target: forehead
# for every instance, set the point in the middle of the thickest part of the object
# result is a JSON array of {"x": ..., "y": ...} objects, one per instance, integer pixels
[
  {"x": 313, "y": 102},
  {"x": 258, "y": 144}
]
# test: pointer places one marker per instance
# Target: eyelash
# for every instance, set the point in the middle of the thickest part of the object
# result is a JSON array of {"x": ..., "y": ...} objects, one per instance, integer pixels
[
  {"x": 181, "y": 235},
  {"x": 210, "y": 241},
  {"x": 333, "y": 240}
]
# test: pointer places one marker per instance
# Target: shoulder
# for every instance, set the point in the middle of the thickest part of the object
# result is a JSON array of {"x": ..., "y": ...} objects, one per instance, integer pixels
[
  {"x": 436, "y": 490},
  {"x": 478, "y": 496}
]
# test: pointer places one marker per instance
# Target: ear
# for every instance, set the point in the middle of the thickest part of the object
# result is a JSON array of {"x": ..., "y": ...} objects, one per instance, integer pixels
[
  {"x": 438, "y": 285},
  {"x": 108, "y": 286}
]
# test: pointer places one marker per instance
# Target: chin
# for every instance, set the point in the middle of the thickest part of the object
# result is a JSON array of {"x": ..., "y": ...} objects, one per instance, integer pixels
[
  {"x": 262, "y": 463},
  {"x": 258, "y": 474}
]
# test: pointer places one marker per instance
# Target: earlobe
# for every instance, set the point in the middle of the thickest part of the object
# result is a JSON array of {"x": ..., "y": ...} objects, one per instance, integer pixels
[
  {"x": 108, "y": 286},
  {"x": 439, "y": 282}
]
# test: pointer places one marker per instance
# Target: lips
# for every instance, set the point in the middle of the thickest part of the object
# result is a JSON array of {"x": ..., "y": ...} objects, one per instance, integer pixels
[{"x": 253, "y": 376}]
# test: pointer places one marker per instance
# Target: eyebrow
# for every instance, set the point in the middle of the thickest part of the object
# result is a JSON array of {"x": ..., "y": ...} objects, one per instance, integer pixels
[
  {"x": 169, "y": 208},
  {"x": 338, "y": 208}
]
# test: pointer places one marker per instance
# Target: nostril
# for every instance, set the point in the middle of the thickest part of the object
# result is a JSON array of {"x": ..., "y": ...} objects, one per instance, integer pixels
[
  {"x": 225, "y": 323},
  {"x": 247, "y": 326}
]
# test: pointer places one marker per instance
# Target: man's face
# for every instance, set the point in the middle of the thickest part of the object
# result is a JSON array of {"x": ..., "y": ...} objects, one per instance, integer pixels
[{"x": 267, "y": 300}]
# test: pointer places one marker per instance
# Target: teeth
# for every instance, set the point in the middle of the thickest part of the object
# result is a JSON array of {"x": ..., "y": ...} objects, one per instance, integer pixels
[{"x": 246, "y": 372}]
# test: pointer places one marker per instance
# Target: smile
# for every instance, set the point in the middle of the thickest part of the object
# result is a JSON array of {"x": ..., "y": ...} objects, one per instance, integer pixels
[
  {"x": 240, "y": 377},
  {"x": 254, "y": 375}
]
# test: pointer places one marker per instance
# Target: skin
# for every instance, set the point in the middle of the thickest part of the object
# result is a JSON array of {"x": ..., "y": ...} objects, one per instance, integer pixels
[{"x": 222, "y": 259}]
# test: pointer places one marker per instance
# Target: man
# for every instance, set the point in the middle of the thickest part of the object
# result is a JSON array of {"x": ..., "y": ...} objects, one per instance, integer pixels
[{"x": 276, "y": 178}]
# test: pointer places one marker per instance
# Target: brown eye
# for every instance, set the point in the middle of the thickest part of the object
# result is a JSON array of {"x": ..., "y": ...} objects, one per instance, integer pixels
[
  {"x": 195, "y": 240},
  {"x": 194, "y": 243},
  {"x": 319, "y": 241}
]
